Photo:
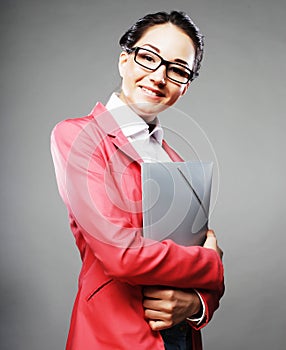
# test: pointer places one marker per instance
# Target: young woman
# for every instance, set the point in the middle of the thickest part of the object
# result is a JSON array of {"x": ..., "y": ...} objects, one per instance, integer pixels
[{"x": 134, "y": 293}]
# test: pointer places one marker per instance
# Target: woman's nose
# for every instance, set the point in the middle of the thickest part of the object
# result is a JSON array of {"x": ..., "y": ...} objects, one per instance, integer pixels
[{"x": 159, "y": 75}]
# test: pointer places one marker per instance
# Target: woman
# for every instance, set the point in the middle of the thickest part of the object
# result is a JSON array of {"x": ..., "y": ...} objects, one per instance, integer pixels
[{"x": 97, "y": 162}]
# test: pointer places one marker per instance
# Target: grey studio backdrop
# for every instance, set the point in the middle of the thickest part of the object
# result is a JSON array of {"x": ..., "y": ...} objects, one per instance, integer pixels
[{"x": 57, "y": 59}]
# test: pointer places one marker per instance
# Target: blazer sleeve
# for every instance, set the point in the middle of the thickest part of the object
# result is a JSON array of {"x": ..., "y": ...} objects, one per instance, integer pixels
[{"x": 95, "y": 203}]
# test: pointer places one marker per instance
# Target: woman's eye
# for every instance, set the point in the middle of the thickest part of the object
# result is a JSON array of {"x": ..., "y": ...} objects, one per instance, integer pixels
[
  {"x": 149, "y": 58},
  {"x": 179, "y": 71}
]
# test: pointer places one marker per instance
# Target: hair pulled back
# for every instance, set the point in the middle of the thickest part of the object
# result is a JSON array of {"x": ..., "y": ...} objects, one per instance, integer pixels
[{"x": 179, "y": 19}]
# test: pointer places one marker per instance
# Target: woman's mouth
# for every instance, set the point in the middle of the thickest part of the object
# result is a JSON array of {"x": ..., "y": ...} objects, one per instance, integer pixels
[{"x": 152, "y": 92}]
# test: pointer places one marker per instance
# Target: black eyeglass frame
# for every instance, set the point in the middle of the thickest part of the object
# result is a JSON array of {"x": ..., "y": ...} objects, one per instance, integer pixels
[{"x": 163, "y": 62}]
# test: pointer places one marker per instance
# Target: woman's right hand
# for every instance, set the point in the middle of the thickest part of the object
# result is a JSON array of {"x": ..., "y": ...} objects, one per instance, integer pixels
[{"x": 211, "y": 243}]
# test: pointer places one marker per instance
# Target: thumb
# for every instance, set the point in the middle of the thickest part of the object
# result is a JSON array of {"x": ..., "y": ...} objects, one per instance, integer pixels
[{"x": 211, "y": 241}]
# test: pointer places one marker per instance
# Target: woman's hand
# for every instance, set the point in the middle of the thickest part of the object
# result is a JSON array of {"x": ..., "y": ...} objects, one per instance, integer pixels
[
  {"x": 211, "y": 243},
  {"x": 166, "y": 307}
]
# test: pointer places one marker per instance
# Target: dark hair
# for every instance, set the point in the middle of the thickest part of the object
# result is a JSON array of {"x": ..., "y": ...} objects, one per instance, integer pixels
[{"x": 178, "y": 18}]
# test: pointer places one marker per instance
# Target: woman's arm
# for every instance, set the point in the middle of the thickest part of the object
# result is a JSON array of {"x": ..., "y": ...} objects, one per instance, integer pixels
[{"x": 166, "y": 307}]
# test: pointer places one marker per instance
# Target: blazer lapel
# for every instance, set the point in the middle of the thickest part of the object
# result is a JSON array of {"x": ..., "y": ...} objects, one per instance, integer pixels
[{"x": 110, "y": 127}]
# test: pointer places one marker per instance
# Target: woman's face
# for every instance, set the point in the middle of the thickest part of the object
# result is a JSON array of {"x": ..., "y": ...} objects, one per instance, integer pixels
[{"x": 150, "y": 92}]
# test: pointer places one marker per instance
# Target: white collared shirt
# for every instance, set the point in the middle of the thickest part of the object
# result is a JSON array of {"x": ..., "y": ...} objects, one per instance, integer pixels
[{"x": 148, "y": 145}]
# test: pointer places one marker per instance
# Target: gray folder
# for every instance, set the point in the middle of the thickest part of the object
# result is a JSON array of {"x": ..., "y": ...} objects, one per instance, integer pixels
[{"x": 176, "y": 200}]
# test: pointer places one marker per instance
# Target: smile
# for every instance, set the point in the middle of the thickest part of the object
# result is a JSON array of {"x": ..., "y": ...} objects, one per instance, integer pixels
[{"x": 152, "y": 92}]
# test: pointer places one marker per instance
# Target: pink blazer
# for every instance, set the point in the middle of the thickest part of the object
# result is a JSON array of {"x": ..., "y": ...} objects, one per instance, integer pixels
[{"x": 98, "y": 176}]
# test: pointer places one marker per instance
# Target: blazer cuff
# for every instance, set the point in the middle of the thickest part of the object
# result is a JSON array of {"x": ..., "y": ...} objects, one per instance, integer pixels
[{"x": 198, "y": 320}]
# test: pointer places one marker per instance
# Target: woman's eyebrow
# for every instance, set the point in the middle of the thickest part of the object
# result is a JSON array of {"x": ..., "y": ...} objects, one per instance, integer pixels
[
  {"x": 153, "y": 47},
  {"x": 178, "y": 60}
]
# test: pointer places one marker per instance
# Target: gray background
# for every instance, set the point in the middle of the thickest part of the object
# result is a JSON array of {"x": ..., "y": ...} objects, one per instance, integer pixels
[{"x": 57, "y": 59}]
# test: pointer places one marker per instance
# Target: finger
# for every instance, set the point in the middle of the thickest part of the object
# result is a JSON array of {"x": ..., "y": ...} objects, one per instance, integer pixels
[
  {"x": 211, "y": 241},
  {"x": 150, "y": 291},
  {"x": 159, "y": 325},
  {"x": 157, "y": 315},
  {"x": 153, "y": 304},
  {"x": 158, "y": 293},
  {"x": 159, "y": 305},
  {"x": 210, "y": 233}
]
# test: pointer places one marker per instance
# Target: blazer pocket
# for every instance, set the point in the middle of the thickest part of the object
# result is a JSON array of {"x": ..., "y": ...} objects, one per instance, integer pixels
[
  {"x": 94, "y": 292},
  {"x": 94, "y": 280}
]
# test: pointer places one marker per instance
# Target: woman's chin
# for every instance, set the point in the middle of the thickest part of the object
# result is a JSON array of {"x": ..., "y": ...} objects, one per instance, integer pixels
[{"x": 147, "y": 109}]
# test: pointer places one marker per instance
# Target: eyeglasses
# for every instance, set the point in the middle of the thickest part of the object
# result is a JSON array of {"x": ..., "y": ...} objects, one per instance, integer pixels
[{"x": 151, "y": 60}]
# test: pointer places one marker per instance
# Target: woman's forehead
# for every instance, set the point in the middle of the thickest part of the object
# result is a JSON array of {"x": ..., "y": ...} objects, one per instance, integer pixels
[{"x": 171, "y": 42}]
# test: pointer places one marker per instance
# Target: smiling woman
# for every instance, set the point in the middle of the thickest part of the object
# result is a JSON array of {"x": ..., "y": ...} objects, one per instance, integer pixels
[
  {"x": 149, "y": 90},
  {"x": 134, "y": 293}
]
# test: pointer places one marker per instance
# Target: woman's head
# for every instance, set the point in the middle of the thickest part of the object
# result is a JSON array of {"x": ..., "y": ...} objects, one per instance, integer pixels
[
  {"x": 160, "y": 53},
  {"x": 177, "y": 18}
]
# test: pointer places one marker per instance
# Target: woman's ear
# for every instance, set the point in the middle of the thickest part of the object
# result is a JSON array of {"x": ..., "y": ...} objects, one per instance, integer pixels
[
  {"x": 123, "y": 58},
  {"x": 186, "y": 88}
]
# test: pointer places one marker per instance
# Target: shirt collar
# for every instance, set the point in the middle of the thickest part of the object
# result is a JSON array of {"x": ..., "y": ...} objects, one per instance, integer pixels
[{"x": 130, "y": 123}]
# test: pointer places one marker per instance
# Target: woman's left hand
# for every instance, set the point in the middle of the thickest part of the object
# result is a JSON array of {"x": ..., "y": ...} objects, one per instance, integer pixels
[{"x": 166, "y": 307}]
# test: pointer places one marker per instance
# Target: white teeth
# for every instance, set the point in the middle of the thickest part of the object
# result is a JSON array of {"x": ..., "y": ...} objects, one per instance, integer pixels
[{"x": 149, "y": 92}]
